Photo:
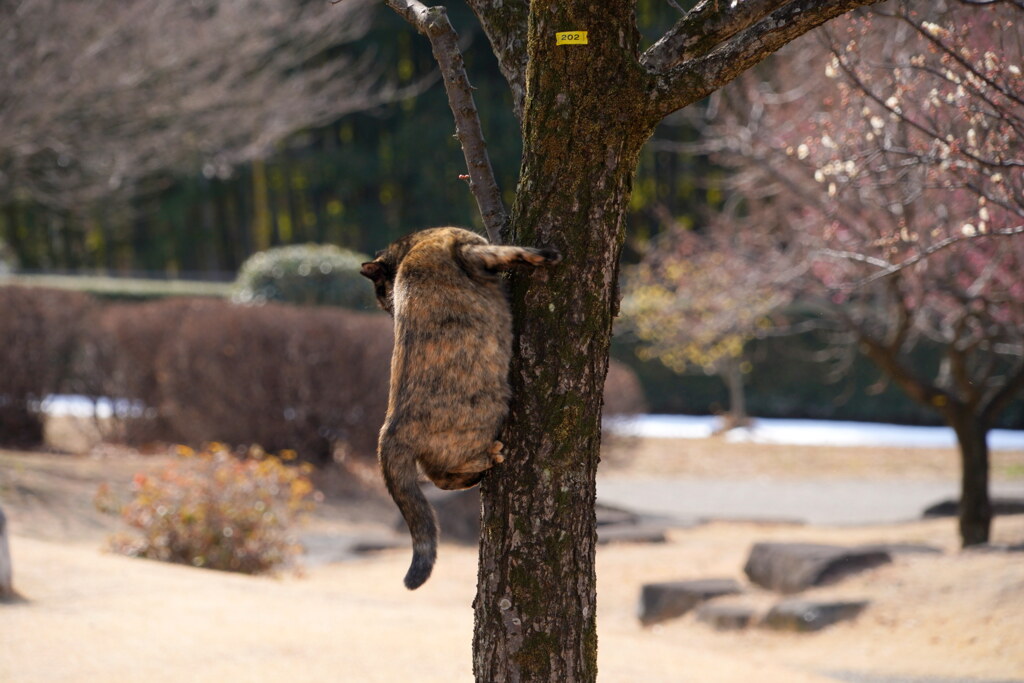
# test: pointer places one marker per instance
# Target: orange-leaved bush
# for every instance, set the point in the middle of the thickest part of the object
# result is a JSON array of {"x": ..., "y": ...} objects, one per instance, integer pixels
[{"x": 213, "y": 509}]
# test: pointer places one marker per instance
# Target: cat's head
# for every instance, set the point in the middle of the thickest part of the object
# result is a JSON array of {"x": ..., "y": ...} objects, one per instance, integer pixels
[{"x": 384, "y": 267}]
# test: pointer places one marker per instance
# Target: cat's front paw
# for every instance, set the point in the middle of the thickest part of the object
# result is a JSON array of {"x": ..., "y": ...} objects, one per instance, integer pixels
[{"x": 495, "y": 452}]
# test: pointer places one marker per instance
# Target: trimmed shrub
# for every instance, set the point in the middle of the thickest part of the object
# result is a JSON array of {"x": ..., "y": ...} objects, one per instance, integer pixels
[
  {"x": 215, "y": 510},
  {"x": 40, "y": 329},
  {"x": 117, "y": 359},
  {"x": 305, "y": 274},
  {"x": 280, "y": 376}
]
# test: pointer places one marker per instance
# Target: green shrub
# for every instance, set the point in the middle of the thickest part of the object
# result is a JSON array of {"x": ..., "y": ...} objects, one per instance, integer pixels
[
  {"x": 306, "y": 274},
  {"x": 214, "y": 510}
]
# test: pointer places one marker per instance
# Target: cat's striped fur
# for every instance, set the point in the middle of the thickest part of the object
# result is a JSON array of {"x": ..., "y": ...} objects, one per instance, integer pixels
[{"x": 449, "y": 389}]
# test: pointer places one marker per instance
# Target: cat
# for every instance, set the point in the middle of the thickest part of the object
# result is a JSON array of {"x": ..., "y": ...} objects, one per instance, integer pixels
[{"x": 449, "y": 390}]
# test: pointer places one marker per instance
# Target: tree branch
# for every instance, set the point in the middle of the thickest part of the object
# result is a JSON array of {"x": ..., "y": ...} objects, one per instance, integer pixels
[
  {"x": 504, "y": 22},
  {"x": 747, "y": 41},
  {"x": 998, "y": 402},
  {"x": 887, "y": 360},
  {"x": 433, "y": 23},
  {"x": 704, "y": 28},
  {"x": 887, "y": 269}
]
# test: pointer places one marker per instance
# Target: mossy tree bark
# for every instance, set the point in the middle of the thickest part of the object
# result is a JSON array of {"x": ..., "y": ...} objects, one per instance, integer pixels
[
  {"x": 584, "y": 122},
  {"x": 586, "y": 111}
]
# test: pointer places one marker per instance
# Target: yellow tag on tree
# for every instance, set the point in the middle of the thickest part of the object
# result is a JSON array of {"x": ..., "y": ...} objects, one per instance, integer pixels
[{"x": 571, "y": 38}]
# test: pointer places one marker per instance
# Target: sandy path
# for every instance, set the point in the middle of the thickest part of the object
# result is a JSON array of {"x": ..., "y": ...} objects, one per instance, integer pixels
[{"x": 91, "y": 616}]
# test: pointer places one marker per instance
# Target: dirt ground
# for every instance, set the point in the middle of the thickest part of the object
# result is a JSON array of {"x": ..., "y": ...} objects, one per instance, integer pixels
[{"x": 87, "y": 615}]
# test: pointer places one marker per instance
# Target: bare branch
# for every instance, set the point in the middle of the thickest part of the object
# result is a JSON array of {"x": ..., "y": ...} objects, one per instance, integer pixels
[
  {"x": 504, "y": 22},
  {"x": 998, "y": 400},
  {"x": 95, "y": 98},
  {"x": 433, "y": 23},
  {"x": 889, "y": 269},
  {"x": 704, "y": 28},
  {"x": 691, "y": 80}
]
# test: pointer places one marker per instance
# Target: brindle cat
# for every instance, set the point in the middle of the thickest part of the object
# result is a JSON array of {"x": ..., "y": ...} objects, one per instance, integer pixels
[{"x": 449, "y": 390}]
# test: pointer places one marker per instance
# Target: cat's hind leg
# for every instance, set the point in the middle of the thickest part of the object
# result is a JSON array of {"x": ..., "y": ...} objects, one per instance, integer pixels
[{"x": 470, "y": 472}]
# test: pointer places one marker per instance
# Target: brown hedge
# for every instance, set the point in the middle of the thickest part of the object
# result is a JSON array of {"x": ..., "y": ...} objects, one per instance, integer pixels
[
  {"x": 283, "y": 377},
  {"x": 191, "y": 371},
  {"x": 39, "y": 329}
]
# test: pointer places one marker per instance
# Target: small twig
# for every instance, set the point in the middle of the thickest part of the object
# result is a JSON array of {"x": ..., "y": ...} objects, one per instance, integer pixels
[
  {"x": 433, "y": 23},
  {"x": 886, "y": 268}
]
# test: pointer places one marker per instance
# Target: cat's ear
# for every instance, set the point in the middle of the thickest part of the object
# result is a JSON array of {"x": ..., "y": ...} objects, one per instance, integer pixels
[{"x": 375, "y": 270}]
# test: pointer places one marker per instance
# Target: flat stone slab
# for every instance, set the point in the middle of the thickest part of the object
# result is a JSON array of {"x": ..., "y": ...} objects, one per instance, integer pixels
[
  {"x": 1001, "y": 505},
  {"x": 458, "y": 516},
  {"x": 727, "y": 617},
  {"x": 608, "y": 515},
  {"x": 668, "y": 600},
  {"x": 321, "y": 549},
  {"x": 895, "y": 549},
  {"x": 806, "y": 615},
  {"x": 793, "y": 567},
  {"x": 628, "y": 533}
]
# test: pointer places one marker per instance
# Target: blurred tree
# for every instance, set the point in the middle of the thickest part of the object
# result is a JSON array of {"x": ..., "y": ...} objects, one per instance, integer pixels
[
  {"x": 697, "y": 299},
  {"x": 586, "y": 109},
  {"x": 887, "y": 155},
  {"x": 358, "y": 181},
  {"x": 99, "y": 98}
]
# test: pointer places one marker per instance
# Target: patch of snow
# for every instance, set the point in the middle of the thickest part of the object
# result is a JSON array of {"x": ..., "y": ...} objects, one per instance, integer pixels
[
  {"x": 805, "y": 432},
  {"x": 83, "y": 406}
]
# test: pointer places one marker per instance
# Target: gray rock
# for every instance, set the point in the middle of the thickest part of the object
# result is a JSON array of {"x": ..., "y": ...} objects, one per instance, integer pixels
[
  {"x": 671, "y": 599},
  {"x": 321, "y": 549},
  {"x": 1000, "y": 506},
  {"x": 608, "y": 515},
  {"x": 792, "y": 567},
  {"x": 902, "y": 548},
  {"x": 458, "y": 515},
  {"x": 805, "y": 615},
  {"x": 726, "y": 617}
]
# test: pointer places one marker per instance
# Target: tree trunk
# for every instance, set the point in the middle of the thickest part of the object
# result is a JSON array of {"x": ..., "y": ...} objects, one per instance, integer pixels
[
  {"x": 975, "y": 511},
  {"x": 732, "y": 374},
  {"x": 583, "y": 129}
]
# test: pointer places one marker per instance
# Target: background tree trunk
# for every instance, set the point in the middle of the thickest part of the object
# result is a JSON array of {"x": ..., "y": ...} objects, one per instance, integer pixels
[
  {"x": 583, "y": 130},
  {"x": 975, "y": 511},
  {"x": 731, "y": 372},
  {"x": 6, "y": 572}
]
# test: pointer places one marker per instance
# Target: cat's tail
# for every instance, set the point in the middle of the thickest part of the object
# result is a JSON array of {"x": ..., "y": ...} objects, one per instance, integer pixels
[{"x": 401, "y": 478}]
